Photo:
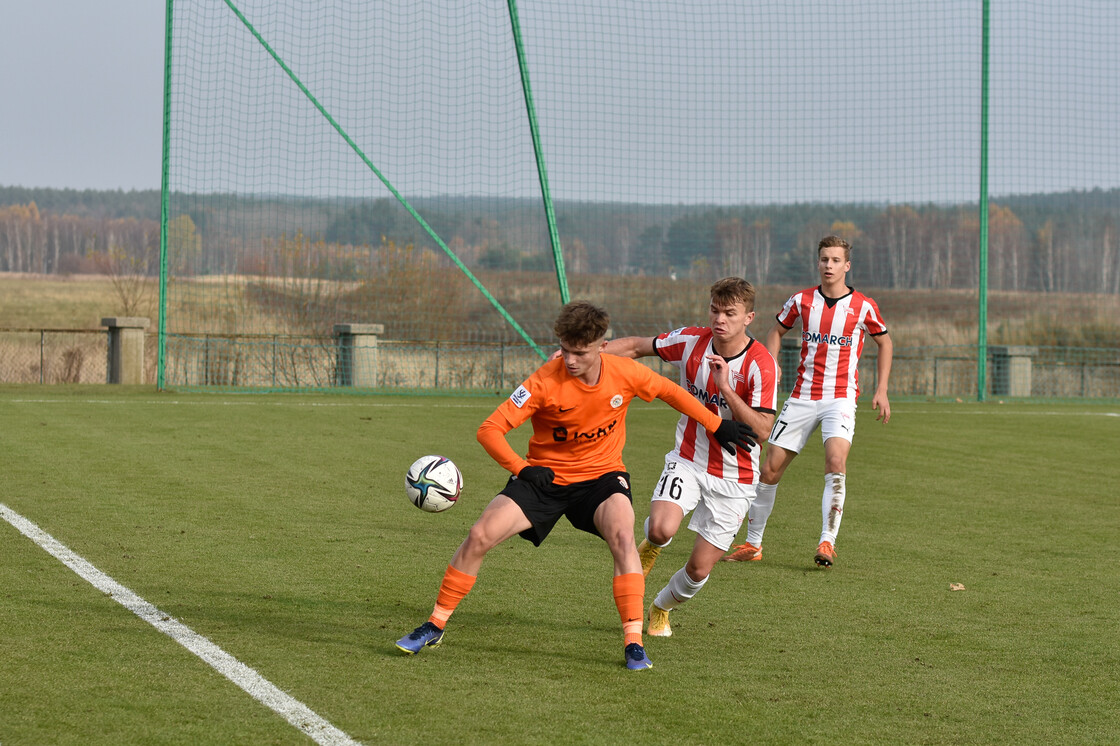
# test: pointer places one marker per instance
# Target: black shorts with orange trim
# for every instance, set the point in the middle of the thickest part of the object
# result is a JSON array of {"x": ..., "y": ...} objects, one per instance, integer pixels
[{"x": 577, "y": 502}]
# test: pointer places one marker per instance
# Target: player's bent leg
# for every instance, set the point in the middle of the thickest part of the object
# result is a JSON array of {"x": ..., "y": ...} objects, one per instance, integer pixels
[
  {"x": 761, "y": 508},
  {"x": 614, "y": 520},
  {"x": 704, "y": 557},
  {"x": 836, "y": 452},
  {"x": 660, "y": 527},
  {"x": 685, "y": 584},
  {"x": 775, "y": 463},
  {"x": 679, "y": 589},
  {"x": 501, "y": 519},
  {"x": 774, "y": 466},
  {"x": 663, "y": 523}
]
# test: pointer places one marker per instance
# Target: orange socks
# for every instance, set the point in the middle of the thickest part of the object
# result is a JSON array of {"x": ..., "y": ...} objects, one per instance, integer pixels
[
  {"x": 629, "y": 597},
  {"x": 454, "y": 587}
]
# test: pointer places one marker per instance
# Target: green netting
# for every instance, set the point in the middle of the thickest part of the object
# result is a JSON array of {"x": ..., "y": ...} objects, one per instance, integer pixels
[{"x": 353, "y": 163}]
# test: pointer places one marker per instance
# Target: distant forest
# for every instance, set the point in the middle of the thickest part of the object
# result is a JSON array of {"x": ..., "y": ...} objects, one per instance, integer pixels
[{"x": 1065, "y": 242}]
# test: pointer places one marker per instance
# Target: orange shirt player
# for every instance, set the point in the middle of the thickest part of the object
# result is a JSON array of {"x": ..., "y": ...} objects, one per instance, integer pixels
[{"x": 577, "y": 404}]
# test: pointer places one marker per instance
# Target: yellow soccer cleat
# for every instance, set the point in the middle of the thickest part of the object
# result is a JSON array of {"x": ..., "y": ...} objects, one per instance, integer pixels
[
  {"x": 658, "y": 622},
  {"x": 648, "y": 554}
]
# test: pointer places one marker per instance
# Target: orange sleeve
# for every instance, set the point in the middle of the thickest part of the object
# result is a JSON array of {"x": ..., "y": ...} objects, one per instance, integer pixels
[
  {"x": 682, "y": 401},
  {"x": 492, "y": 435}
]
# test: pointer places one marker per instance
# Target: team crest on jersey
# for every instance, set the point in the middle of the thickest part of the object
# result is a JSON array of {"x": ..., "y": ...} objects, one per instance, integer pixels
[
  {"x": 616, "y": 401},
  {"x": 520, "y": 396}
]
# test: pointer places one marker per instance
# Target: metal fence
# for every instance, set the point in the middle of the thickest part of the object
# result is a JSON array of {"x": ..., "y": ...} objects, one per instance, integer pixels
[
  {"x": 63, "y": 356},
  {"x": 1014, "y": 372},
  {"x": 274, "y": 362}
]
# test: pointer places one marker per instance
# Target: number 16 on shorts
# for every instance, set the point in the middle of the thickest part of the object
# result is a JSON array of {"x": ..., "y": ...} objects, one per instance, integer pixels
[{"x": 679, "y": 486}]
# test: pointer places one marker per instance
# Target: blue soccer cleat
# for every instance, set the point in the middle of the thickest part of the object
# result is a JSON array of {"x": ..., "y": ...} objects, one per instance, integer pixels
[
  {"x": 636, "y": 659},
  {"x": 427, "y": 635}
]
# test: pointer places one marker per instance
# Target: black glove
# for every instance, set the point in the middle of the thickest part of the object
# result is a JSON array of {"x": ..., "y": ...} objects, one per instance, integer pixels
[
  {"x": 538, "y": 476},
  {"x": 731, "y": 433}
]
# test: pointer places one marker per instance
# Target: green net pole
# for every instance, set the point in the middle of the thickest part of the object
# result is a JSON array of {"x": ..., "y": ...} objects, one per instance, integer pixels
[
  {"x": 550, "y": 214},
  {"x": 165, "y": 201},
  {"x": 982, "y": 337},
  {"x": 400, "y": 198}
]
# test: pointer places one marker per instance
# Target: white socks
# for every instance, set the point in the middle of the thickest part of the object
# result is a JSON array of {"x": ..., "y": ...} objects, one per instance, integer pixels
[
  {"x": 832, "y": 506},
  {"x": 760, "y": 510},
  {"x": 680, "y": 589}
]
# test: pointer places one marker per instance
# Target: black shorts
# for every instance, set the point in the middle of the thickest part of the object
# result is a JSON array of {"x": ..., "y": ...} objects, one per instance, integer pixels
[{"x": 577, "y": 502}]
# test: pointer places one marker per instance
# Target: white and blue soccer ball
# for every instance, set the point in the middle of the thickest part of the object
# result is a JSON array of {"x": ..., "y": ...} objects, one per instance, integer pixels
[{"x": 433, "y": 483}]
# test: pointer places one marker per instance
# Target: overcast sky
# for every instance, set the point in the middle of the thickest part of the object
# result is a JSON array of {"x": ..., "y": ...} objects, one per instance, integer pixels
[
  {"x": 81, "y": 103},
  {"x": 83, "y": 82}
]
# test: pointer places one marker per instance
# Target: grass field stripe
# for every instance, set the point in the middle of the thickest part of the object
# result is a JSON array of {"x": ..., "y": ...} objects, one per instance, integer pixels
[{"x": 258, "y": 687}]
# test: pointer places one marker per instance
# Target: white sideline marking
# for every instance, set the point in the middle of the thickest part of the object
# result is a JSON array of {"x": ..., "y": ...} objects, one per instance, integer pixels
[{"x": 258, "y": 687}]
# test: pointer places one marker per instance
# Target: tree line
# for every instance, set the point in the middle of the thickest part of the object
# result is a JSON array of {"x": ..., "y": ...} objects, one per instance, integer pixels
[{"x": 1066, "y": 242}]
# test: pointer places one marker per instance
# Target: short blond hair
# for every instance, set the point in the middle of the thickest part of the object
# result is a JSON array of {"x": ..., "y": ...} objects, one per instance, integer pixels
[{"x": 731, "y": 290}]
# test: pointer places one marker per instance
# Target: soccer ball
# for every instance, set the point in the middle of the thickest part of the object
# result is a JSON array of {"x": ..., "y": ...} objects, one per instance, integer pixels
[{"x": 433, "y": 483}]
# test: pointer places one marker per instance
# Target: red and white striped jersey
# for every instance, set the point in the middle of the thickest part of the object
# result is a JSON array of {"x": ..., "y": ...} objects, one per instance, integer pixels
[
  {"x": 753, "y": 373},
  {"x": 832, "y": 339}
]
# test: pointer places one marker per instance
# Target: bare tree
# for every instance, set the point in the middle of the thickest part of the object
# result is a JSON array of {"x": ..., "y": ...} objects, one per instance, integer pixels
[
  {"x": 762, "y": 247},
  {"x": 130, "y": 277},
  {"x": 732, "y": 246}
]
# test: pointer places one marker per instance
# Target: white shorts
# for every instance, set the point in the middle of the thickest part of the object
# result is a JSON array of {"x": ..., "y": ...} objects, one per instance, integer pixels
[
  {"x": 798, "y": 419},
  {"x": 718, "y": 506}
]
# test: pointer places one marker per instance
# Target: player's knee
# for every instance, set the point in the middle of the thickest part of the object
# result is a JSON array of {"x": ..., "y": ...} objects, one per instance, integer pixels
[
  {"x": 661, "y": 533},
  {"x": 618, "y": 535},
  {"x": 769, "y": 474},
  {"x": 697, "y": 572},
  {"x": 479, "y": 541}
]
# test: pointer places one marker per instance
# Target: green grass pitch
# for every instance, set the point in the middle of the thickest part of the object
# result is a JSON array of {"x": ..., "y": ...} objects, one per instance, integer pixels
[{"x": 277, "y": 527}]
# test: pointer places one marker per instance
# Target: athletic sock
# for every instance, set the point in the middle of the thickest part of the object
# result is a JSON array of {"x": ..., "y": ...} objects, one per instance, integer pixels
[
  {"x": 456, "y": 584},
  {"x": 679, "y": 589},
  {"x": 832, "y": 506},
  {"x": 629, "y": 597},
  {"x": 651, "y": 541},
  {"x": 760, "y": 511}
]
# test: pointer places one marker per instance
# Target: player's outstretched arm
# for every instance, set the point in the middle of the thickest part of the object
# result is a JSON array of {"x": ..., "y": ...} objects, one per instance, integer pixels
[
  {"x": 880, "y": 402},
  {"x": 632, "y": 347},
  {"x": 728, "y": 433}
]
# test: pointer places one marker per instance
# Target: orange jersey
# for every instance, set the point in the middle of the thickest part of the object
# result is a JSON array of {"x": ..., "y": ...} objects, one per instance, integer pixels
[{"x": 579, "y": 430}]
